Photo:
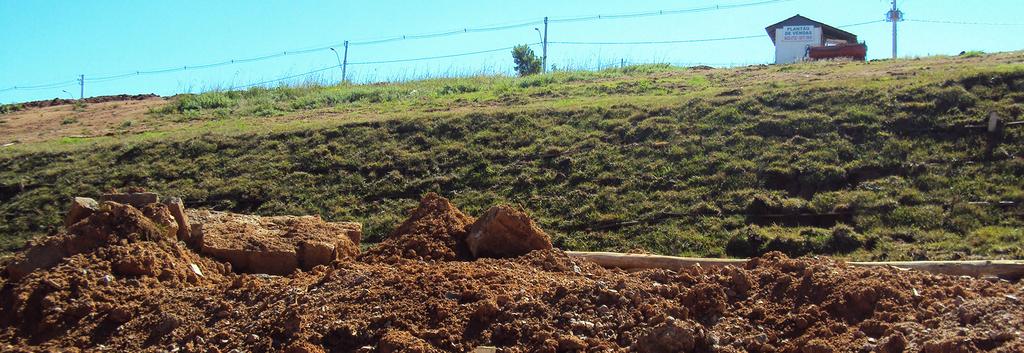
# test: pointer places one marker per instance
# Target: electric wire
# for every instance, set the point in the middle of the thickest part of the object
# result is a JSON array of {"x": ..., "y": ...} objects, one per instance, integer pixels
[
  {"x": 372, "y": 62},
  {"x": 499, "y": 27},
  {"x": 690, "y": 40},
  {"x": 437, "y": 57},
  {"x": 963, "y": 22}
]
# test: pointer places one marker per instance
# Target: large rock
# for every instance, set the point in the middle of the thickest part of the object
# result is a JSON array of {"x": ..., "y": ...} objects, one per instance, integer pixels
[
  {"x": 81, "y": 207},
  {"x": 177, "y": 209},
  {"x": 505, "y": 232},
  {"x": 161, "y": 215},
  {"x": 273, "y": 245}
]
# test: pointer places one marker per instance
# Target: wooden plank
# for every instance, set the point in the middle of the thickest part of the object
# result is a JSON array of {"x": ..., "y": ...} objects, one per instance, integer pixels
[{"x": 1007, "y": 269}]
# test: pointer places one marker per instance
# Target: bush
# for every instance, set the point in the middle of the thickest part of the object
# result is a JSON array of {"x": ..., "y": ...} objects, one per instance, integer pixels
[{"x": 197, "y": 102}]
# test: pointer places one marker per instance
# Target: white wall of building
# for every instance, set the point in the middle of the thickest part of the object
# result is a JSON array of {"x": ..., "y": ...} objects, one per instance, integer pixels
[{"x": 791, "y": 42}]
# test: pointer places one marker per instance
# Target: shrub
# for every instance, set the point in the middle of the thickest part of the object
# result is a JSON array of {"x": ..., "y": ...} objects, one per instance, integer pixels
[{"x": 197, "y": 102}]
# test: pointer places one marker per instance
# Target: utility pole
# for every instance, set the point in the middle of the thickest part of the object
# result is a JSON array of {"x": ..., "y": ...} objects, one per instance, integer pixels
[
  {"x": 81, "y": 87},
  {"x": 544, "y": 58},
  {"x": 894, "y": 15},
  {"x": 344, "y": 64}
]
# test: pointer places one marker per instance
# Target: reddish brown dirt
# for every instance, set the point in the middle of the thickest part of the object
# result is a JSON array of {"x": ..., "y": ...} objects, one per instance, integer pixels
[
  {"x": 505, "y": 232},
  {"x": 142, "y": 296},
  {"x": 435, "y": 231},
  {"x": 97, "y": 99},
  {"x": 91, "y": 120}
]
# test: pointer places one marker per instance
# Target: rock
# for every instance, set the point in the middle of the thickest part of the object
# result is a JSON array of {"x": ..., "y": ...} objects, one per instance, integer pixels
[
  {"x": 166, "y": 324},
  {"x": 195, "y": 269},
  {"x": 136, "y": 199},
  {"x": 505, "y": 232},
  {"x": 570, "y": 343},
  {"x": 119, "y": 315},
  {"x": 81, "y": 208},
  {"x": 672, "y": 336},
  {"x": 273, "y": 245},
  {"x": 161, "y": 215},
  {"x": 893, "y": 344},
  {"x": 402, "y": 341},
  {"x": 44, "y": 254},
  {"x": 177, "y": 209},
  {"x": 301, "y": 346}
]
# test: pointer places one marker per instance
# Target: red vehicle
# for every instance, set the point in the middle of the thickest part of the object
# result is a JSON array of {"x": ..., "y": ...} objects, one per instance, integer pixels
[{"x": 846, "y": 50}]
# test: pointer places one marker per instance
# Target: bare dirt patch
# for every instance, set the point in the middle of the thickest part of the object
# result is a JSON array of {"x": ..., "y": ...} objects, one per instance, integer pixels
[{"x": 69, "y": 120}]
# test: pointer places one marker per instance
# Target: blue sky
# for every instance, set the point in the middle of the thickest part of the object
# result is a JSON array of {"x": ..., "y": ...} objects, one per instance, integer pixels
[{"x": 55, "y": 41}]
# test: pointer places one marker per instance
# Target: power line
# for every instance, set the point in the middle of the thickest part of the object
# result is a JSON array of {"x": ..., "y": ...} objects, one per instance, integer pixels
[
  {"x": 861, "y": 23},
  {"x": 374, "y": 62},
  {"x": 965, "y": 23},
  {"x": 505, "y": 26},
  {"x": 286, "y": 77},
  {"x": 691, "y": 40},
  {"x": 658, "y": 42},
  {"x": 663, "y": 12},
  {"x": 41, "y": 86},
  {"x": 436, "y": 57}
]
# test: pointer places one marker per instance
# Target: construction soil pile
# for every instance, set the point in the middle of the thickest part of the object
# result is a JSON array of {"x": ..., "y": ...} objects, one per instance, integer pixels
[{"x": 125, "y": 278}]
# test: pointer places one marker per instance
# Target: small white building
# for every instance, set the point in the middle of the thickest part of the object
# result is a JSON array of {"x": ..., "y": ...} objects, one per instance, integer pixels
[{"x": 795, "y": 36}]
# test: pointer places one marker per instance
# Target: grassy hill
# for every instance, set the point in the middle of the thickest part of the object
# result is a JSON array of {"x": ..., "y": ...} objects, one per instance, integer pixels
[{"x": 861, "y": 160}]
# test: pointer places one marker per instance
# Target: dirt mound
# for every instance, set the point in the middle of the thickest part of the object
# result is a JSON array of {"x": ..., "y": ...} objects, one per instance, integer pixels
[
  {"x": 97, "y": 292},
  {"x": 112, "y": 223},
  {"x": 141, "y": 292},
  {"x": 541, "y": 302},
  {"x": 435, "y": 231},
  {"x": 273, "y": 245},
  {"x": 505, "y": 232}
]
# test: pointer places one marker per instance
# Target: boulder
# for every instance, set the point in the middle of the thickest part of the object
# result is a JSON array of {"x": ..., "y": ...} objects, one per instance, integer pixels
[
  {"x": 161, "y": 215},
  {"x": 81, "y": 207},
  {"x": 177, "y": 209},
  {"x": 505, "y": 232},
  {"x": 273, "y": 245}
]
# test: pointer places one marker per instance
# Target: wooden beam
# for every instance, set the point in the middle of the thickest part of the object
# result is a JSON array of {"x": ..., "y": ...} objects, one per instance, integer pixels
[{"x": 1007, "y": 269}]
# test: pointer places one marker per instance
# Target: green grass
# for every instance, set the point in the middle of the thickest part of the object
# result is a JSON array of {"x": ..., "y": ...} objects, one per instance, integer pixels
[{"x": 656, "y": 158}]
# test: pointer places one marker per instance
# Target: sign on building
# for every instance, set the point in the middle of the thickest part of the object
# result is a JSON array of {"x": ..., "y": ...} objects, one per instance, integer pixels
[
  {"x": 802, "y": 34},
  {"x": 791, "y": 42}
]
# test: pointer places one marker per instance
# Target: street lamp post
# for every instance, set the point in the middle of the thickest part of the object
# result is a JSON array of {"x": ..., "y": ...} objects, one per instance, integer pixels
[
  {"x": 340, "y": 65},
  {"x": 543, "y": 63}
]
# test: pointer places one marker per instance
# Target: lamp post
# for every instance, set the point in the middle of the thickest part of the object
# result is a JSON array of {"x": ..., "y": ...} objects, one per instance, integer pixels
[
  {"x": 340, "y": 66},
  {"x": 544, "y": 59},
  {"x": 69, "y": 94}
]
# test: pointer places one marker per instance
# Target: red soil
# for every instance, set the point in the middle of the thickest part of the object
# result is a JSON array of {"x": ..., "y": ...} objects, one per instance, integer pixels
[{"x": 142, "y": 295}]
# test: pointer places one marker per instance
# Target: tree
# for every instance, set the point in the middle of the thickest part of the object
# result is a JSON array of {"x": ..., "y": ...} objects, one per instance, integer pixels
[{"x": 527, "y": 62}]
